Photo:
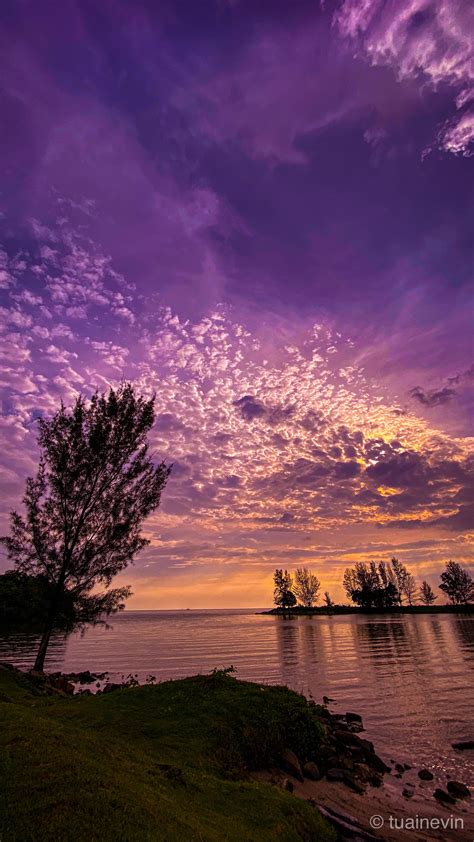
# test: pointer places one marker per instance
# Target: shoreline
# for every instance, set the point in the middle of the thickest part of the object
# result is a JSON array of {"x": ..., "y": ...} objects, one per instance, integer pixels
[
  {"x": 300, "y": 610},
  {"x": 344, "y": 779}
]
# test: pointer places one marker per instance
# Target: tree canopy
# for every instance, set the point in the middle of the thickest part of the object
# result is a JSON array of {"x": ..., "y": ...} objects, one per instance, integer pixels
[
  {"x": 371, "y": 585},
  {"x": 283, "y": 594},
  {"x": 306, "y": 587},
  {"x": 95, "y": 485},
  {"x": 457, "y": 583}
]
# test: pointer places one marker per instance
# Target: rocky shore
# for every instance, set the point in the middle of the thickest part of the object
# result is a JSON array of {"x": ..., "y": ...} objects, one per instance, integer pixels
[
  {"x": 340, "y": 775},
  {"x": 349, "y": 768}
]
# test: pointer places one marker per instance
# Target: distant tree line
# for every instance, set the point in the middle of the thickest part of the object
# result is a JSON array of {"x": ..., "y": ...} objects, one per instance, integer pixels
[{"x": 375, "y": 585}]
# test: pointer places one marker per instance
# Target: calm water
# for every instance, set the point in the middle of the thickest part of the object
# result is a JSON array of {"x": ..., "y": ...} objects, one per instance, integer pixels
[{"x": 411, "y": 677}]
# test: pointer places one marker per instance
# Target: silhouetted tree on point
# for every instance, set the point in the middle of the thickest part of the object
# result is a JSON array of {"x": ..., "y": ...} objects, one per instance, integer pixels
[
  {"x": 400, "y": 574},
  {"x": 95, "y": 485},
  {"x": 427, "y": 596},
  {"x": 369, "y": 586},
  {"x": 306, "y": 587},
  {"x": 327, "y": 600},
  {"x": 410, "y": 588},
  {"x": 457, "y": 583},
  {"x": 283, "y": 595}
]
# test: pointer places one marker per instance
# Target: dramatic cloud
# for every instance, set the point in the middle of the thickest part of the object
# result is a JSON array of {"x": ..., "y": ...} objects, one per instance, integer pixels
[
  {"x": 236, "y": 211},
  {"x": 434, "y": 398},
  {"x": 430, "y": 41}
]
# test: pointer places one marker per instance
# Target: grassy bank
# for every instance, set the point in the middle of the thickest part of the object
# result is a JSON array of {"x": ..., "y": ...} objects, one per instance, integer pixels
[{"x": 163, "y": 762}]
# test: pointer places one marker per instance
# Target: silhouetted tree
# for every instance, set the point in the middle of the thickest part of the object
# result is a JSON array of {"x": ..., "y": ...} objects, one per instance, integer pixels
[
  {"x": 400, "y": 573},
  {"x": 327, "y": 600},
  {"x": 306, "y": 587},
  {"x": 368, "y": 586},
  {"x": 283, "y": 595},
  {"x": 427, "y": 596},
  {"x": 410, "y": 588},
  {"x": 387, "y": 576},
  {"x": 457, "y": 583},
  {"x": 94, "y": 487},
  {"x": 24, "y": 601}
]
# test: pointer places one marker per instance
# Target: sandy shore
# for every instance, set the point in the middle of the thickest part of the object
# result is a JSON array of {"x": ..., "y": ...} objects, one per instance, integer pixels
[{"x": 387, "y": 801}]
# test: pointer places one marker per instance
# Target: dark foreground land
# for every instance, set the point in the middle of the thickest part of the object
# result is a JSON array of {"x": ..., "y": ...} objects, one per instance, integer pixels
[
  {"x": 163, "y": 762},
  {"x": 206, "y": 758},
  {"x": 353, "y": 609}
]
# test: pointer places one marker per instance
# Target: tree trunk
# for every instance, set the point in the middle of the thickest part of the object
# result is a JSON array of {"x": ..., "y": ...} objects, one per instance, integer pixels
[
  {"x": 53, "y": 609},
  {"x": 41, "y": 654}
]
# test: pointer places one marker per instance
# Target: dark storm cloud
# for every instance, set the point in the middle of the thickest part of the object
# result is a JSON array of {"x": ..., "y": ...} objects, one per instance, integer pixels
[
  {"x": 250, "y": 408},
  {"x": 437, "y": 397}
]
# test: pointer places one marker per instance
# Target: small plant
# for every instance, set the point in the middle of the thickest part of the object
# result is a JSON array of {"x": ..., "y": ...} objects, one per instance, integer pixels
[{"x": 225, "y": 672}]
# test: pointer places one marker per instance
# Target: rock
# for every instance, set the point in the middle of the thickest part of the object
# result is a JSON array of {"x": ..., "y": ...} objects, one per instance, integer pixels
[
  {"x": 109, "y": 688},
  {"x": 377, "y": 763},
  {"x": 86, "y": 677},
  {"x": 287, "y": 784},
  {"x": 325, "y": 714},
  {"x": 464, "y": 745},
  {"x": 408, "y": 793},
  {"x": 354, "y": 784},
  {"x": 400, "y": 768},
  {"x": 356, "y": 728},
  {"x": 335, "y": 775},
  {"x": 458, "y": 790},
  {"x": 291, "y": 764},
  {"x": 443, "y": 797},
  {"x": 326, "y": 700},
  {"x": 407, "y": 767},
  {"x": 311, "y": 771},
  {"x": 345, "y": 763},
  {"x": 425, "y": 775},
  {"x": 60, "y": 682},
  {"x": 347, "y": 738},
  {"x": 367, "y": 745},
  {"x": 353, "y": 717}
]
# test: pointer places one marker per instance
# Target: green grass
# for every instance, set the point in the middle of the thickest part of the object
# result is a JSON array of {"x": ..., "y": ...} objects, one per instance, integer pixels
[{"x": 88, "y": 767}]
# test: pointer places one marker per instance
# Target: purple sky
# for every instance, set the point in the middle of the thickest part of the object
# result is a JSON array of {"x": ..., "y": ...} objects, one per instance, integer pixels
[{"x": 263, "y": 212}]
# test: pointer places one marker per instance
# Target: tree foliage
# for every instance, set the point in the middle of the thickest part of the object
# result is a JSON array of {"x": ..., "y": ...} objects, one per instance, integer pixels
[
  {"x": 306, "y": 587},
  {"x": 95, "y": 485},
  {"x": 371, "y": 585},
  {"x": 457, "y": 583},
  {"x": 427, "y": 596},
  {"x": 410, "y": 589},
  {"x": 400, "y": 574},
  {"x": 24, "y": 601},
  {"x": 283, "y": 594},
  {"x": 327, "y": 600}
]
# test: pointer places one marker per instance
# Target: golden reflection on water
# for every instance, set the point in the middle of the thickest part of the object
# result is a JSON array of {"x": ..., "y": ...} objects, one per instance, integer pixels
[{"x": 409, "y": 676}]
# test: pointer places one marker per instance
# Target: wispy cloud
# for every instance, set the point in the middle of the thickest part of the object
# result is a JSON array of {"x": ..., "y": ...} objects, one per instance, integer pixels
[{"x": 427, "y": 41}]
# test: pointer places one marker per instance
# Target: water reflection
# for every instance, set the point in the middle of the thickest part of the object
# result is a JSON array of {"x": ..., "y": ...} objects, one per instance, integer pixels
[
  {"x": 405, "y": 675},
  {"x": 464, "y": 628},
  {"x": 20, "y": 649}
]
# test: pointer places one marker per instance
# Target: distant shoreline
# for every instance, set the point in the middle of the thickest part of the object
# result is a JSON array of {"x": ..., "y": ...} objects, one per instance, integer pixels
[{"x": 348, "y": 609}]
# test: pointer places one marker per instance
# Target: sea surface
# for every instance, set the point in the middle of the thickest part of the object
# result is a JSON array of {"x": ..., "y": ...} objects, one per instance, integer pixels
[{"x": 411, "y": 677}]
